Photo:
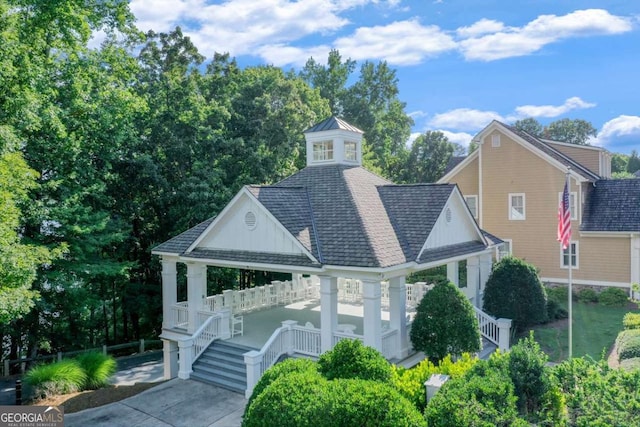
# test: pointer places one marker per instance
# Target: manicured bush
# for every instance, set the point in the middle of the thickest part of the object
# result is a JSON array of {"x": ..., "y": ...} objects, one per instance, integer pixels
[
  {"x": 628, "y": 344},
  {"x": 587, "y": 295},
  {"x": 285, "y": 367},
  {"x": 410, "y": 382},
  {"x": 482, "y": 397},
  {"x": 352, "y": 359},
  {"x": 559, "y": 294},
  {"x": 445, "y": 323},
  {"x": 99, "y": 368},
  {"x": 514, "y": 291},
  {"x": 631, "y": 364},
  {"x": 539, "y": 399},
  {"x": 631, "y": 321},
  {"x": 613, "y": 297},
  {"x": 66, "y": 376},
  {"x": 555, "y": 311}
]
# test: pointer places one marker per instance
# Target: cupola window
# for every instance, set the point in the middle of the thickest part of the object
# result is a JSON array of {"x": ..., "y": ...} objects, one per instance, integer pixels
[
  {"x": 350, "y": 151},
  {"x": 322, "y": 151}
]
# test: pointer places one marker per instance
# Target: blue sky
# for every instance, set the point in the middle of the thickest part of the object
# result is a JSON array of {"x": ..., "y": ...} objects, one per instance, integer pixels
[{"x": 460, "y": 63}]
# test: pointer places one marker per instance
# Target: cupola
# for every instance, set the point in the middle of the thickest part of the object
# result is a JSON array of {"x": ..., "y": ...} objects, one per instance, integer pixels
[{"x": 333, "y": 141}]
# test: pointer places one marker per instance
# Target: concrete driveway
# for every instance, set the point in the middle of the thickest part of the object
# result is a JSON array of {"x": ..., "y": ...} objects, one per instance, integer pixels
[{"x": 175, "y": 403}]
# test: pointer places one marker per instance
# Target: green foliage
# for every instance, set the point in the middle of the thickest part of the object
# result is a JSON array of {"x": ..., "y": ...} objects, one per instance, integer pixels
[
  {"x": 283, "y": 368},
  {"x": 429, "y": 156},
  {"x": 351, "y": 359},
  {"x": 619, "y": 163},
  {"x": 613, "y": 297},
  {"x": 307, "y": 399},
  {"x": 65, "y": 376},
  {"x": 631, "y": 364},
  {"x": 631, "y": 321},
  {"x": 633, "y": 162},
  {"x": 539, "y": 399},
  {"x": 99, "y": 368},
  {"x": 410, "y": 382},
  {"x": 559, "y": 294},
  {"x": 514, "y": 291},
  {"x": 587, "y": 295},
  {"x": 571, "y": 131},
  {"x": 483, "y": 397},
  {"x": 597, "y": 395},
  {"x": 555, "y": 311},
  {"x": 445, "y": 323},
  {"x": 628, "y": 344}
]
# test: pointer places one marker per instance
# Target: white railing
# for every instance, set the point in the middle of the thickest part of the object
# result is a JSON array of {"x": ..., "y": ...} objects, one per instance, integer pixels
[
  {"x": 180, "y": 312},
  {"x": 339, "y": 336},
  {"x": 306, "y": 340},
  {"x": 206, "y": 333},
  {"x": 488, "y": 326}
]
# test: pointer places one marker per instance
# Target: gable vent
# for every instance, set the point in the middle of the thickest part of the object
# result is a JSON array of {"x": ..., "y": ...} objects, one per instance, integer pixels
[
  {"x": 447, "y": 214},
  {"x": 250, "y": 220}
]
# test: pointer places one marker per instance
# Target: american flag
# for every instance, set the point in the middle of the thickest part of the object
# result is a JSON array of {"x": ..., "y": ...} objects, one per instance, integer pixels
[{"x": 564, "y": 218}]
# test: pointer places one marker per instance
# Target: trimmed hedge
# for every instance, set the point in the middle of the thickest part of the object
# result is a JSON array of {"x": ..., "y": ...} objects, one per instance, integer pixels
[
  {"x": 628, "y": 343},
  {"x": 587, "y": 295},
  {"x": 631, "y": 364},
  {"x": 352, "y": 359},
  {"x": 613, "y": 297},
  {"x": 631, "y": 321}
]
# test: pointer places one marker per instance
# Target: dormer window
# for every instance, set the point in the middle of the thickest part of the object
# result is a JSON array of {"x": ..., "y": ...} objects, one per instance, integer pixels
[
  {"x": 350, "y": 151},
  {"x": 322, "y": 151}
]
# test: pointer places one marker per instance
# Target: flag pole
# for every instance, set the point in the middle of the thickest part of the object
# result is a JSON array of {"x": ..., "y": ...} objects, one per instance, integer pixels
[{"x": 568, "y": 184}]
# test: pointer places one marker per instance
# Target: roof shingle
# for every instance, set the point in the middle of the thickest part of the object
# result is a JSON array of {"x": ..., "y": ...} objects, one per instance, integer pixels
[{"x": 612, "y": 205}]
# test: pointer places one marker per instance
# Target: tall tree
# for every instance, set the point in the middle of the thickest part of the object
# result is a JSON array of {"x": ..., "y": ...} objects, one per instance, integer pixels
[
  {"x": 571, "y": 131},
  {"x": 331, "y": 79},
  {"x": 430, "y": 154},
  {"x": 619, "y": 162},
  {"x": 530, "y": 125},
  {"x": 633, "y": 164}
]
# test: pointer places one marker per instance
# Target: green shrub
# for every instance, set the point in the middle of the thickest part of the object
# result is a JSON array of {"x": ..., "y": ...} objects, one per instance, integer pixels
[
  {"x": 555, "y": 311},
  {"x": 587, "y": 295},
  {"x": 631, "y": 321},
  {"x": 483, "y": 397},
  {"x": 630, "y": 364},
  {"x": 628, "y": 344},
  {"x": 559, "y": 294},
  {"x": 410, "y": 382},
  {"x": 99, "y": 368},
  {"x": 445, "y": 323},
  {"x": 514, "y": 291},
  {"x": 285, "y": 367},
  {"x": 351, "y": 359},
  {"x": 539, "y": 399},
  {"x": 56, "y": 378},
  {"x": 613, "y": 297}
]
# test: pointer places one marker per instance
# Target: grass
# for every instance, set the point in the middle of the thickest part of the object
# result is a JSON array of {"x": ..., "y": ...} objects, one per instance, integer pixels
[
  {"x": 595, "y": 328},
  {"x": 61, "y": 377},
  {"x": 98, "y": 367}
]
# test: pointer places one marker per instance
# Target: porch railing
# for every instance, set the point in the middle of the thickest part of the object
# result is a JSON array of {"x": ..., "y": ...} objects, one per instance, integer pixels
[
  {"x": 498, "y": 331},
  {"x": 210, "y": 330},
  {"x": 180, "y": 312}
]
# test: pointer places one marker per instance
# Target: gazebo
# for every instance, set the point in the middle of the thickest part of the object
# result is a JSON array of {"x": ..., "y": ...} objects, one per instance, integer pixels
[{"x": 331, "y": 223}]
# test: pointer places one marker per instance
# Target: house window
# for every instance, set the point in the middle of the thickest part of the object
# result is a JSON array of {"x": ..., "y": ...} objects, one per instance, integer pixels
[
  {"x": 573, "y": 197},
  {"x": 516, "y": 206},
  {"x": 350, "y": 151},
  {"x": 564, "y": 256},
  {"x": 323, "y": 151},
  {"x": 472, "y": 202},
  {"x": 495, "y": 140}
]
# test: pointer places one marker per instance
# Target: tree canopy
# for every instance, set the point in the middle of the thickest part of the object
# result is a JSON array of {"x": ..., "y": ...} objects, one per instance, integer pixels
[{"x": 571, "y": 131}]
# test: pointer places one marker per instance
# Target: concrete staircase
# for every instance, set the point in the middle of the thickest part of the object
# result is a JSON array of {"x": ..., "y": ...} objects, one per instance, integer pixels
[
  {"x": 487, "y": 349},
  {"x": 222, "y": 364}
]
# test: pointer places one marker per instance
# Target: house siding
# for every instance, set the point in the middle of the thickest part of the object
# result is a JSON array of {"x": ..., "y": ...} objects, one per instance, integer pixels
[
  {"x": 467, "y": 178},
  {"x": 614, "y": 267},
  {"x": 587, "y": 157}
]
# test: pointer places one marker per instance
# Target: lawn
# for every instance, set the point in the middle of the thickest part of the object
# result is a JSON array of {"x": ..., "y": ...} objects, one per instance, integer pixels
[{"x": 595, "y": 328}]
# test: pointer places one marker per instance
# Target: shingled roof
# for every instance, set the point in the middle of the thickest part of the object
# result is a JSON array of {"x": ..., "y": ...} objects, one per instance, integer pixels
[
  {"x": 332, "y": 123},
  {"x": 179, "y": 244},
  {"x": 612, "y": 205}
]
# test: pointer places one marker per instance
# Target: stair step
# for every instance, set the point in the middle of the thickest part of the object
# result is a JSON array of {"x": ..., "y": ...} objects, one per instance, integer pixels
[
  {"x": 222, "y": 364},
  {"x": 222, "y": 358},
  {"x": 217, "y": 367},
  {"x": 224, "y": 383},
  {"x": 222, "y": 376}
]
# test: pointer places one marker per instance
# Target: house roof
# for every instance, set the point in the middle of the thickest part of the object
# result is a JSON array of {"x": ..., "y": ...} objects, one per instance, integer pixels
[
  {"x": 452, "y": 163},
  {"x": 333, "y": 123},
  {"x": 343, "y": 215},
  {"x": 637, "y": 174},
  {"x": 612, "y": 205}
]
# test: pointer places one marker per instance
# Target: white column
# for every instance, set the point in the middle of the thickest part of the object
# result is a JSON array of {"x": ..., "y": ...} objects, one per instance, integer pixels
[
  {"x": 196, "y": 292},
  {"x": 253, "y": 360},
  {"x": 170, "y": 358},
  {"x": 398, "y": 314},
  {"x": 328, "y": 311},
  {"x": 504, "y": 333},
  {"x": 635, "y": 264},
  {"x": 185, "y": 356},
  {"x": 371, "y": 294},
  {"x": 486, "y": 262},
  {"x": 169, "y": 291},
  {"x": 473, "y": 279},
  {"x": 452, "y": 273}
]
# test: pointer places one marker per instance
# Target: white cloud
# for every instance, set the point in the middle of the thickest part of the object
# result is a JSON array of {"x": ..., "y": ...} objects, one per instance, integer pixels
[
  {"x": 461, "y": 138},
  {"x": 621, "y": 126},
  {"x": 545, "y": 29},
  {"x": 483, "y": 26},
  {"x": 399, "y": 43},
  {"x": 572, "y": 103},
  {"x": 281, "y": 54},
  {"x": 417, "y": 114},
  {"x": 464, "y": 119}
]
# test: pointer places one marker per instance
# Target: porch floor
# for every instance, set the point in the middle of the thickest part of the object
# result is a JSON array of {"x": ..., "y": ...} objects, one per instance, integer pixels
[{"x": 259, "y": 325}]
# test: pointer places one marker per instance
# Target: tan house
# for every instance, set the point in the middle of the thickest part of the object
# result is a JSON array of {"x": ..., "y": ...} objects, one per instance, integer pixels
[{"x": 512, "y": 184}]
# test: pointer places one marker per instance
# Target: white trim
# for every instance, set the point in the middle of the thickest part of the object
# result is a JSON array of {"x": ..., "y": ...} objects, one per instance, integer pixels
[
  {"x": 510, "y": 242},
  {"x": 574, "y": 211},
  {"x": 585, "y": 282},
  {"x": 480, "y": 186},
  {"x": 567, "y": 144},
  {"x": 524, "y": 207},
  {"x": 458, "y": 167},
  {"x": 622, "y": 234},
  {"x": 474, "y": 197},
  {"x": 634, "y": 247},
  {"x": 251, "y": 265},
  {"x": 244, "y": 191},
  {"x": 575, "y": 254}
]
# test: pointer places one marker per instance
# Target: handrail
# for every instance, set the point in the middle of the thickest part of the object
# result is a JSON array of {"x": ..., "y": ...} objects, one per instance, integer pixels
[
  {"x": 205, "y": 334},
  {"x": 488, "y": 326},
  {"x": 272, "y": 349}
]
